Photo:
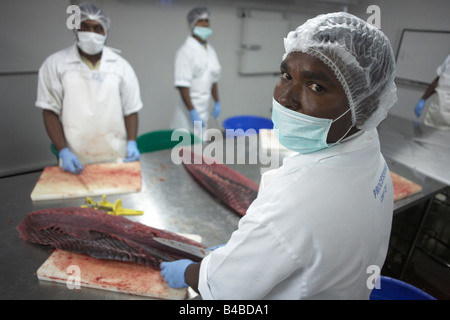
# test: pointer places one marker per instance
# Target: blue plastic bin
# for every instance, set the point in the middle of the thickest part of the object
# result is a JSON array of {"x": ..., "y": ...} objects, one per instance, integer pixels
[
  {"x": 247, "y": 122},
  {"x": 393, "y": 289}
]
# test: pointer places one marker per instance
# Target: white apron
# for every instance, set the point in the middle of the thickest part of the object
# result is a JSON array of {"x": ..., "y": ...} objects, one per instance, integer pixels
[
  {"x": 438, "y": 114},
  {"x": 92, "y": 116}
]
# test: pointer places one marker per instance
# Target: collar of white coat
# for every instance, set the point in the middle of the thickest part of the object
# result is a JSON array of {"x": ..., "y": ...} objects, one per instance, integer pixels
[
  {"x": 73, "y": 56},
  {"x": 356, "y": 142},
  {"x": 195, "y": 43}
]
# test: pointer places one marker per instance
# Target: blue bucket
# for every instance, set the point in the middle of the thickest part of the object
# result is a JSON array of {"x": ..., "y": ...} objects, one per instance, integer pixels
[
  {"x": 247, "y": 122},
  {"x": 393, "y": 289}
]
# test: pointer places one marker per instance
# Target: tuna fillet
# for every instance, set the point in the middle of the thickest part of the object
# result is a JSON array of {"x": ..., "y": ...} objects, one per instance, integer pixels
[
  {"x": 102, "y": 236},
  {"x": 229, "y": 186}
]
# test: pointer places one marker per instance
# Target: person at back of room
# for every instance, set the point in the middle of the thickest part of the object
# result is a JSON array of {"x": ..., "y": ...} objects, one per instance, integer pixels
[
  {"x": 438, "y": 113},
  {"x": 197, "y": 72}
]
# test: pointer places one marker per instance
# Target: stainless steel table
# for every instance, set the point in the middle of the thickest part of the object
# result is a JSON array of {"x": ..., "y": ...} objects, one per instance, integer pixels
[
  {"x": 423, "y": 149},
  {"x": 170, "y": 199}
]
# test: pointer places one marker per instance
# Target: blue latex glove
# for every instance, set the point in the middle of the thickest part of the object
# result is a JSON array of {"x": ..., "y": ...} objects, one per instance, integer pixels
[
  {"x": 132, "y": 151},
  {"x": 173, "y": 272},
  {"x": 195, "y": 116},
  {"x": 216, "y": 110},
  {"x": 419, "y": 107},
  {"x": 216, "y": 247},
  {"x": 70, "y": 161}
]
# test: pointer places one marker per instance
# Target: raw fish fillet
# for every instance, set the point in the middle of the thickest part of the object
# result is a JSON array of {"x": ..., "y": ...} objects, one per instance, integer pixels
[
  {"x": 102, "y": 236},
  {"x": 229, "y": 186},
  {"x": 403, "y": 187}
]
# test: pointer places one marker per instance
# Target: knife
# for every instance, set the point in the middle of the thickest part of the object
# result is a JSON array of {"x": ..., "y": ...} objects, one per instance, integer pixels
[
  {"x": 83, "y": 182},
  {"x": 184, "y": 247}
]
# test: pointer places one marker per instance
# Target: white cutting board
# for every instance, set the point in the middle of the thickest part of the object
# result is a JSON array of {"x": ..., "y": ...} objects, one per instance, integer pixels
[
  {"x": 95, "y": 180},
  {"x": 110, "y": 275}
]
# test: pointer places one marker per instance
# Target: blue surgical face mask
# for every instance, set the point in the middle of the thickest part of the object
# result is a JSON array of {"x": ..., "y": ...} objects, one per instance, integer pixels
[
  {"x": 300, "y": 132},
  {"x": 202, "y": 32}
]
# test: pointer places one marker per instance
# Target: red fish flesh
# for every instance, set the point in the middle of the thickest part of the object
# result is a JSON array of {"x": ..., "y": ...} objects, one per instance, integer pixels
[
  {"x": 229, "y": 186},
  {"x": 100, "y": 235}
]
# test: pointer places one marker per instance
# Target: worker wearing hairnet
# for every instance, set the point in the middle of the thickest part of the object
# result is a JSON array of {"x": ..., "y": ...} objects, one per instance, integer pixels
[
  {"x": 90, "y": 97},
  {"x": 438, "y": 114},
  {"x": 321, "y": 222},
  {"x": 197, "y": 71}
]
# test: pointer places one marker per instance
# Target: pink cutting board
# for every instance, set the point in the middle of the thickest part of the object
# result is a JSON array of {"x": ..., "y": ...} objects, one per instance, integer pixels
[
  {"x": 96, "y": 179},
  {"x": 110, "y": 275}
]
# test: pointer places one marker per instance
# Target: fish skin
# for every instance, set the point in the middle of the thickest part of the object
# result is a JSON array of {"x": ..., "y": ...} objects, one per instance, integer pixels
[
  {"x": 100, "y": 235},
  {"x": 229, "y": 186}
]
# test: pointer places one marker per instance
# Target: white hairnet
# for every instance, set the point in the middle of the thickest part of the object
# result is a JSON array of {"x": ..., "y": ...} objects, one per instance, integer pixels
[
  {"x": 196, "y": 14},
  {"x": 361, "y": 57},
  {"x": 89, "y": 11}
]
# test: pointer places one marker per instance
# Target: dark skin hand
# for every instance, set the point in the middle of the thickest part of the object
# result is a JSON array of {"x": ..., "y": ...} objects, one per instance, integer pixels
[
  {"x": 310, "y": 87},
  {"x": 307, "y": 86},
  {"x": 431, "y": 89}
]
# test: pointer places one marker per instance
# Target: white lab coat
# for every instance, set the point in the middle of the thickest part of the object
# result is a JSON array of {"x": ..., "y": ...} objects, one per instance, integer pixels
[
  {"x": 438, "y": 114},
  {"x": 198, "y": 68},
  {"x": 91, "y": 104},
  {"x": 318, "y": 223}
]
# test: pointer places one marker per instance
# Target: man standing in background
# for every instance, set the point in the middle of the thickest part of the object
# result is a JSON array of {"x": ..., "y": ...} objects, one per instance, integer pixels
[
  {"x": 197, "y": 70},
  {"x": 438, "y": 114}
]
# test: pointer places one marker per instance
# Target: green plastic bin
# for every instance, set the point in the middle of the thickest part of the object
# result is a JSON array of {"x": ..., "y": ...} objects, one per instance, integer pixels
[
  {"x": 54, "y": 151},
  {"x": 162, "y": 139}
]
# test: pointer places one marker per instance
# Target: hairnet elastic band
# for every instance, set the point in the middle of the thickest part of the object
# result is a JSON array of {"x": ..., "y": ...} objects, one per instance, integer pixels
[{"x": 340, "y": 78}]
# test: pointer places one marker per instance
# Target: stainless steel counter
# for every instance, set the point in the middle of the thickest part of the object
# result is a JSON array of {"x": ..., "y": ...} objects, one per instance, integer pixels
[
  {"x": 170, "y": 199},
  {"x": 421, "y": 148}
]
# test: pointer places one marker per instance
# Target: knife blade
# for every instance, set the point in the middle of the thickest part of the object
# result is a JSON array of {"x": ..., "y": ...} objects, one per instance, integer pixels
[
  {"x": 83, "y": 182},
  {"x": 181, "y": 246}
]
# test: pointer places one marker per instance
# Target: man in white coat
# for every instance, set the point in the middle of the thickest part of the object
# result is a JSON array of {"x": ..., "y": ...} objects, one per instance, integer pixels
[
  {"x": 438, "y": 115},
  {"x": 321, "y": 222},
  {"x": 90, "y": 97},
  {"x": 197, "y": 71}
]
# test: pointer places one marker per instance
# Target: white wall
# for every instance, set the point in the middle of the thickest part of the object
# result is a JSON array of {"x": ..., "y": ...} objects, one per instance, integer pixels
[
  {"x": 29, "y": 31},
  {"x": 149, "y": 32}
]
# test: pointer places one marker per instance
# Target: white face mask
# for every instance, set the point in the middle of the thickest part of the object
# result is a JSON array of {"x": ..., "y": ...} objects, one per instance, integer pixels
[
  {"x": 202, "y": 32},
  {"x": 91, "y": 42},
  {"x": 300, "y": 132}
]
